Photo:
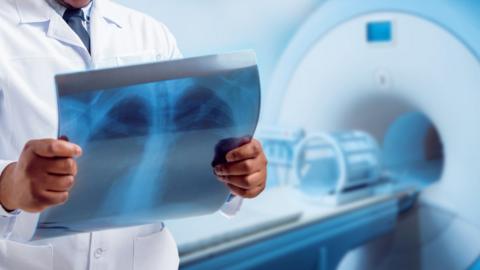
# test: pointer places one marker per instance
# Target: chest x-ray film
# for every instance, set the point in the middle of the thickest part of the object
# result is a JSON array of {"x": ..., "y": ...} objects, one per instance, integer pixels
[{"x": 150, "y": 135}]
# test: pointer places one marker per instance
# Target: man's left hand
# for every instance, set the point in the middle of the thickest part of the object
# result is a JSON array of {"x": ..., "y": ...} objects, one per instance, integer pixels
[{"x": 245, "y": 172}]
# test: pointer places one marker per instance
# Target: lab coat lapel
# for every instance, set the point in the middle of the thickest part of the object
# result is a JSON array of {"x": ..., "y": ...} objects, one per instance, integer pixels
[
  {"x": 60, "y": 30},
  {"x": 106, "y": 18},
  {"x": 39, "y": 11},
  {"x": 33, "y": 11}
]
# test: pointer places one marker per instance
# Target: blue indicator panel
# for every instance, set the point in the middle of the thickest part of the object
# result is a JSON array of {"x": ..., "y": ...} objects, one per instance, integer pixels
[{"x": 379, "y": 32}]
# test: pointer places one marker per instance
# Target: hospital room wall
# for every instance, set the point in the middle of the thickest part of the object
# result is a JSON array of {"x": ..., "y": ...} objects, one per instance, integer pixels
[{"x": 213, "y": 26}]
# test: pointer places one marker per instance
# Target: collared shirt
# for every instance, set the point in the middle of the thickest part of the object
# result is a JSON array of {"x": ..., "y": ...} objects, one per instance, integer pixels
[{"x": 87, "y": 11}]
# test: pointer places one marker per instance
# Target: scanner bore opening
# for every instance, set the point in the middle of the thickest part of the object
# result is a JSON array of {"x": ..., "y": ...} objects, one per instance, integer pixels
[{"x": 413, "y": 150}]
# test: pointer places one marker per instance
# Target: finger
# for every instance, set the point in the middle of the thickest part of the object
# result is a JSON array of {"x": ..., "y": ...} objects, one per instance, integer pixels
[
  {"x": 54, "y": 148},
  {"x": 245, "y": 167},
  {"x": 245, "y": 182},
  {"x": 61, "y": 166},
  {"x": 52, "y": 198},
  {"x": 59, "y": 183},
  {"x": 246, "y": 151},
  {"x": 246, "y": 193}
]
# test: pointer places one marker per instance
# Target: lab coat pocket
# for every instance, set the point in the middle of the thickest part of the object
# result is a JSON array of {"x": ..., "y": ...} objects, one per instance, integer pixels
[
  {"x": 126, "y": 59},
  {"x": 15, "y": 255},
  {"x": 136, "y": 58},
  {"x": 156, "y": 251}
]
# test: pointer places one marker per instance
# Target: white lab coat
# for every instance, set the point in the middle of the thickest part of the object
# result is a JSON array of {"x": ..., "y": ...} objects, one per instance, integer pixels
[{"x": 36, "y": 44}]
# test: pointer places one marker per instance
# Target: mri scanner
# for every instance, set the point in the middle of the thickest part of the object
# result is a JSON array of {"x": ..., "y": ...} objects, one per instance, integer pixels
[
  {"x": 408, "y": 73},
  {"x": 390, "y": 88}
]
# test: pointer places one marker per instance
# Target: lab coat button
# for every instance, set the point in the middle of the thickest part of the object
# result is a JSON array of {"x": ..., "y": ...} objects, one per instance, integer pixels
[{"x": 98, "y": 253}]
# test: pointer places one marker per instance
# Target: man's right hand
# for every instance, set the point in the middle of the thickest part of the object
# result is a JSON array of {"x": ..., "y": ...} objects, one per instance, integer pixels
[{"x": 42, "y": 177}]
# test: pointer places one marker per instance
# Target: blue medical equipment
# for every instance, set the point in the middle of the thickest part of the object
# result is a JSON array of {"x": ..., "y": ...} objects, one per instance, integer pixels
[
  {"x": 334, "y": 167},
  {"x": 279, "y": 146},
  {"x": 408, "y": 73}
]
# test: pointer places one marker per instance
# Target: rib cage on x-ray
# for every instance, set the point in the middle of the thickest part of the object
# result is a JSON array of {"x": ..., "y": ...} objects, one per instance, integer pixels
[{"x": 149, "y": 148}]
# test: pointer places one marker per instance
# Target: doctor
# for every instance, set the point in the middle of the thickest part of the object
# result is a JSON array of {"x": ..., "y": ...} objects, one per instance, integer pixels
[{"x": 38, "y": 39}]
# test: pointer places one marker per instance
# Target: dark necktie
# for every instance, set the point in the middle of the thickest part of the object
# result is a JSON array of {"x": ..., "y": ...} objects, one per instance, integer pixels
[{"x": 74, "y": 18}]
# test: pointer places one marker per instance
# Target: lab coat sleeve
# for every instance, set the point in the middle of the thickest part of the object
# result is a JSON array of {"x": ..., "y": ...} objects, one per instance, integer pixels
[
  {"x": 7, "y": 219},
  {"x": 17, "y": 225},
  {"x": 168, "y": 49}
]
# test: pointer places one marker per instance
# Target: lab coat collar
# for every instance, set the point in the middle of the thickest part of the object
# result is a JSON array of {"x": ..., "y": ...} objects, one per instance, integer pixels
[
  {"x": 35, "y": 11},
  {"x": 110, "y": 11},
  {"x": 40, "y": 11}
]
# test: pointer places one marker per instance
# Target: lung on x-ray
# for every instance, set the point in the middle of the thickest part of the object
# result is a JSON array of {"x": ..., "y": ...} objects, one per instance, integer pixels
[{"x": 150, "y": 135}]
